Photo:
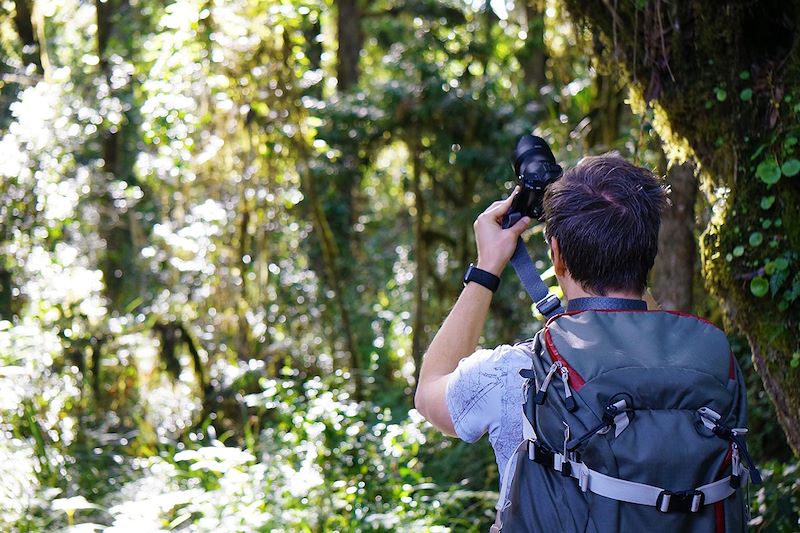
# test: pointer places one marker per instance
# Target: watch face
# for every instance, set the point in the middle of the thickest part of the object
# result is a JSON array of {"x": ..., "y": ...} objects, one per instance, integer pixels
[{"x": 468, "y": 273}]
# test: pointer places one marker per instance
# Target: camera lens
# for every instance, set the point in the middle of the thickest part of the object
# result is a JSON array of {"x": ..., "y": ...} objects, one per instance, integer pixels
[
  {"x": 530, "y": 153},
  {"x": 535, "y": 168}
]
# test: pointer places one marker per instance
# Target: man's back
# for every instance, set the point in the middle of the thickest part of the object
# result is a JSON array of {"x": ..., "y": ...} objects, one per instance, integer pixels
[{"x": 582, "y": 470}]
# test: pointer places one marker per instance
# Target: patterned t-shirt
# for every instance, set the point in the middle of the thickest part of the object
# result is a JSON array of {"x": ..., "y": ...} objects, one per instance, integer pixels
[{"x": 485, "y": 394}]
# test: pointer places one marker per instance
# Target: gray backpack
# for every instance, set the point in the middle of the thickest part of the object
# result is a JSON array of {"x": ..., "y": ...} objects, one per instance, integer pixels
[{"x": 633, "y": 421}]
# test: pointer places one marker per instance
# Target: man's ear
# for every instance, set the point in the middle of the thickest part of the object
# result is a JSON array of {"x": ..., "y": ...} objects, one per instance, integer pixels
[{"x": 558, "y": 259}]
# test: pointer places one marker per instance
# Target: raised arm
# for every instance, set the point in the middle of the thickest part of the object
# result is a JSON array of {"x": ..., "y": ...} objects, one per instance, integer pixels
[{"x": 459, "y": 334}]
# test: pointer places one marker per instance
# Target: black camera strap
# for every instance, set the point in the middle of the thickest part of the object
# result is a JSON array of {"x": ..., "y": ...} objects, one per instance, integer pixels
[{"x": 547, "y": 303}]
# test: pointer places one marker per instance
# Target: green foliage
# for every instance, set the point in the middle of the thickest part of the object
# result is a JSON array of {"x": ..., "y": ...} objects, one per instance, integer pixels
[
  {"x": 205, "y": 244},
  {"x": 769, "y": 171},
  {"x": 759, "y": 286},
  {"x": 776, "y": 506},
  {"x": 790, "y": 168}
]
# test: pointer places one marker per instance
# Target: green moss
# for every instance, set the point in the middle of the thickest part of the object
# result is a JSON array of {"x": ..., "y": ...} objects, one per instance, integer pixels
[{"x": 686, "y": 72}]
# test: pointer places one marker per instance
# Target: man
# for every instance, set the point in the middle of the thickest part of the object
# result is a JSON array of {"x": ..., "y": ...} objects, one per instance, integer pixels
[{"x": 602, "y": 222}]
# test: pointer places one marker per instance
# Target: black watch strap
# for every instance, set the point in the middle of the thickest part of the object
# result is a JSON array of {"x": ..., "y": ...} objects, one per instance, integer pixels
[{"x": 481, "y": 277}]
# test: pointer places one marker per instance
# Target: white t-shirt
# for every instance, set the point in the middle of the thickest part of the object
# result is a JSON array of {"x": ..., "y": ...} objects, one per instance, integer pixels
[{"x": 485, "y": 394}]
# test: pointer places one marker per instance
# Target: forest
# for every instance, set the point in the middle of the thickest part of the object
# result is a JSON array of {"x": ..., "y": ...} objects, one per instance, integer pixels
[{"x": 230, "y": 229}]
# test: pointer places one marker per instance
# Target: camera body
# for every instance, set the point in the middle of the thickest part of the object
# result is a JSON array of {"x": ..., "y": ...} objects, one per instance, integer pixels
[{"x": 535, "y": 168}]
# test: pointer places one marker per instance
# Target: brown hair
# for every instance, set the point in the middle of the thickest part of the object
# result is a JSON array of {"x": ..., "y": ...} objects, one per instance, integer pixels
[{"x": 605, "y": 214}]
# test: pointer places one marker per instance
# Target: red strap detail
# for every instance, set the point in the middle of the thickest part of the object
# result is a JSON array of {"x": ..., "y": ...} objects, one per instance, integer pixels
[
  {"x": 719, "y": 514},
  {"x": 575, "y": 379},
  {"x": 719, "y": 507},
  {"x": 732, "y": 368}
]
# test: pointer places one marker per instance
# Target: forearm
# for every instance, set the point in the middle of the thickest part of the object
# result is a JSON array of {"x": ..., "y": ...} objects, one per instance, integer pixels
[
  {"x": 459, "y": 334},
  {"x": 455, "y": 340}
]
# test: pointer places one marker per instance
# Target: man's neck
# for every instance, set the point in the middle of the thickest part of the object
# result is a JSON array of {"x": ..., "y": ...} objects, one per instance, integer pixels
[{"x": 573, "y": 290}]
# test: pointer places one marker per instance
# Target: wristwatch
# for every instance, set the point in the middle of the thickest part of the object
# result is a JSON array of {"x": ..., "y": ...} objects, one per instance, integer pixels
[{"x": 481, "y": 277}]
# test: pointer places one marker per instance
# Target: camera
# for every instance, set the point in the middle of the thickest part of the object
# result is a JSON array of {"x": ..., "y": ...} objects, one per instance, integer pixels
[{"x": 535, "y": 168}]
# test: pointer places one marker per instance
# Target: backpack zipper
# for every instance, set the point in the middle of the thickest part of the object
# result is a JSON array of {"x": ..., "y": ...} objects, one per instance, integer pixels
[
  {"x": 569, "y": 401},
  {"x": 541, "y": 394}
]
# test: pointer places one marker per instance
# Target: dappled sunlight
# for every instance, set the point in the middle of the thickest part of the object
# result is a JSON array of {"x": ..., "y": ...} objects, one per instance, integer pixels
[{"x": 227, "y": 240}]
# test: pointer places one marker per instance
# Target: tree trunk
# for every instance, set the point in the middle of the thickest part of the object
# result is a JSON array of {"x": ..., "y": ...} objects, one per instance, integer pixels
[
  {"x": 351, "y": 40},
  {"x": 346, "y": 187},
  {"x": 723, "y": 83},
  {"x": 23, "y": 23},
  {"x": 673, "y": 273},
  {"x": 533, "y": 55},
  {"x": 333, "y": 271},
  {"x": 606, "y": 114},
  {"x": 313, "y": 50},
  {"x": 244, "y": 347},
  {"x": 118, "y": 259},
  {"x": 331, "y": 259},
  {"x": 6, "y": 294}
]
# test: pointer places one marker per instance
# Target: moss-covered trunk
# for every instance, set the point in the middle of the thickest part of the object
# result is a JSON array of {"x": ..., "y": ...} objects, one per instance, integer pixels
[{"x": 723, "y": 80}]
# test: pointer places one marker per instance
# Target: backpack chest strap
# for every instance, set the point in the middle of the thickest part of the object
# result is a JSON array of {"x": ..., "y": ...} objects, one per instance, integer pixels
[{"x": 632, "y": 492}]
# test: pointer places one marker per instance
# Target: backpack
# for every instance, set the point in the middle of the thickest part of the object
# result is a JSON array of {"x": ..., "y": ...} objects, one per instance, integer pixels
[{"x": 633, "y": 421}]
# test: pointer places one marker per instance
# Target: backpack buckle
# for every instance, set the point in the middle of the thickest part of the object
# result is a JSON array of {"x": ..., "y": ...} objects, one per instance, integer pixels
[
  {"x": 542, "y": 455},
  {"x": 682, "y": 501},
  {"x": 548, "y": 304}
]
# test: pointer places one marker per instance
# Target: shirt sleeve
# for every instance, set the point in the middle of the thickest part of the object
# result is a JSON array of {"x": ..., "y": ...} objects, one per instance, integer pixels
[{"x": 484, "y": 395}]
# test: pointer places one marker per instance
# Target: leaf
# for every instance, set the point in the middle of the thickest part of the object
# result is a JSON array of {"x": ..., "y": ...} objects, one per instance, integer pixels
[
  {"x": 738, "y": 251},
  {"x": 746, "y": 95},
  {"x": 767, "y": 201},
  {"x": 768, "y": 171},
  {"x": 758, "y": 152},
  {"x": 790, "y": 168},
  {"x": 781, "y": 263},
  {"x": 721, "y": 94},
  {"x": 792, "y": 294},
  {"x": 744, "y": 75},
  {"x": 759, "y": 286},
  {"x": 776, "y": 280},
  {"x": 756, "y": 238}
]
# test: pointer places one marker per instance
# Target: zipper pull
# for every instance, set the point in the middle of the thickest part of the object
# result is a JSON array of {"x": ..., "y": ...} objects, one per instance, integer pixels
[
  {"x": 566, "y": 466},
  {"x": 737, "y": 435},
  {"x": 736, "y": 479},
  {"x": 569, "y": 401},
  {"x": 542, "y": 392}
]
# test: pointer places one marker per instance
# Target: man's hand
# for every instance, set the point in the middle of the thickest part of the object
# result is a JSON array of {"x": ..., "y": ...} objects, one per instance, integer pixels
[{"x": 495, "y": 244}]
